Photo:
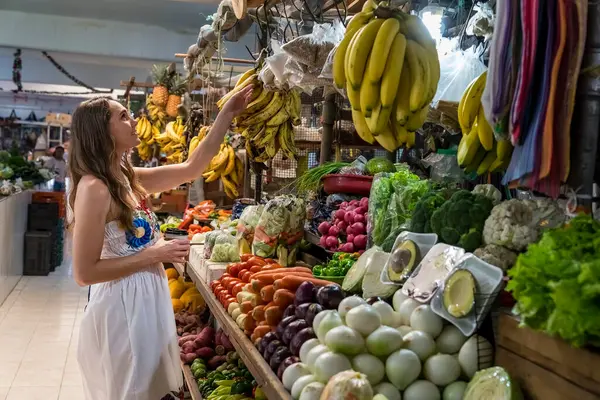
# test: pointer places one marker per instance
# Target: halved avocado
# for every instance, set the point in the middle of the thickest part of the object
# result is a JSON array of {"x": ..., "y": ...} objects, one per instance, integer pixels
[
  {"x": 404, "y": 259},
  {"x": 459, "y": 293}
]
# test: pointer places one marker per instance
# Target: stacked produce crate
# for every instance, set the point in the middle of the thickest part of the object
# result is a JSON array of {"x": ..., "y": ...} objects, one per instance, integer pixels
[{"x": 44, "y": 237}]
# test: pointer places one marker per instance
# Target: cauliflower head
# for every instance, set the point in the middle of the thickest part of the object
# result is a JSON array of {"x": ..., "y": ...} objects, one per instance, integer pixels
[{"x": 511, "y": 224}]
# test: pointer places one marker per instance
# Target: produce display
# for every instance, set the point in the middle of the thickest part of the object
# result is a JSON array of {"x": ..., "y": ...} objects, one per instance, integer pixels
[
  {"x": 267, "y": 124},
  {"x": 337, "y": 267},
  {"x": 17, "y": 174},
  {"x": 390, "y": 100},
  {"x": 479, "y": 151},
  {"x": 347, "y": 230}
]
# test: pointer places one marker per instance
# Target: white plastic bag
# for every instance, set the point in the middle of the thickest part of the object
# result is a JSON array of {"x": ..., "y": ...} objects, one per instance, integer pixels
[{"x": 457, "y": 70}]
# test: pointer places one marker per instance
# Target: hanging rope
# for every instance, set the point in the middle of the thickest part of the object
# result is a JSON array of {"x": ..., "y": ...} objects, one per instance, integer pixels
[{"x": 73, "y": 78}]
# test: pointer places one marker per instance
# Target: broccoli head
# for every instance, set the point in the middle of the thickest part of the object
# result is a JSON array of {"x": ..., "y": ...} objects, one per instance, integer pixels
[
  {"x": 420, "y": 222},
  {"x": 460, "y": 220}
]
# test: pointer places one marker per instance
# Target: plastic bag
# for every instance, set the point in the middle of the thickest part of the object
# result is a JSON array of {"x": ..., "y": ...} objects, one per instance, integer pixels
[
  {"x": 424, "y": 242},
  {"x": 458, "y": 69},
  {"x": 290, "y": 240},
  {"x": 274, "y": 220},
  {"x": 313, "y": 49},
  {"x": 482, "y": 22},
  {"x": 444, "y": 166},
  {"x": 209, "y": 242},
  {"x": 357, "y": 167},
  {"x": 225, "y": 248}
]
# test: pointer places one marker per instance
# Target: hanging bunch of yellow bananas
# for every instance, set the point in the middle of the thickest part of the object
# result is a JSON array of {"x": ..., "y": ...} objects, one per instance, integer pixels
[
  {"x": 195, "y": 141},
  {"x": 146, "y": 133},
  {"x": 478, "y": 150},
  {"x": 267, "y": 124},
  {"x": 173, "y": 141},
  {"x": 158, "y": 115},
  {"x": 389, "y": 66},
  {"x": 225, "y": 166}
]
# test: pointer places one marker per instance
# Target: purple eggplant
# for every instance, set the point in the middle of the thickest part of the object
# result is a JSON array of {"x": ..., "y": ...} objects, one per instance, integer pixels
[
  {"x": 280, "y": 354},
  {"x": 283, "y": 324},
  {"x": 286, "y": 363},
  {"x": 292, "y": 329},
  {"x": 312, "y": 312},
  {"x": 305, "y": 293},
  {"x": 265, "y": 340},
  {"x": 271, "y": 347},
  {"x": 290, "y": 310},
  {"x": 301, "y": 310},
  {"x": 301, "y": 337},
  {"x": 330, "y": 296}
]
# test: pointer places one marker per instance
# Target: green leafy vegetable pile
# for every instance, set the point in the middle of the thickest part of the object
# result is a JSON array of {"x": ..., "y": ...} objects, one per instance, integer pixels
[
  {"x": 557, "y": 282},
  {"x": 425, "y": 207},
  {"x": 460, "y": 220}
]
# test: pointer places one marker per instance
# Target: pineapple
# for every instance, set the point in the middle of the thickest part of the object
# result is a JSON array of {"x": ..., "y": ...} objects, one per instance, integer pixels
[
  {"x": 162, "y": 83},
  {"x": 174, "y": 100}
]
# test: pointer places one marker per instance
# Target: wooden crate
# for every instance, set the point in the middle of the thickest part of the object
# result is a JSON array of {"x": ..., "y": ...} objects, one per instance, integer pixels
[{"x": 546, "y": 368}]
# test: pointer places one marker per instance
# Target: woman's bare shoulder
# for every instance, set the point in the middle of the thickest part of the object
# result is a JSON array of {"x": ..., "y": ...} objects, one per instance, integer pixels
[{"x": 92, "y": 189}]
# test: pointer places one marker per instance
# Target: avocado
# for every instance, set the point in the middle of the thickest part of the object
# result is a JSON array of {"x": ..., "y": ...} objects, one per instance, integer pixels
[
  {"x": 403, "y": 261},
  {"x": 459, "y": 293}
]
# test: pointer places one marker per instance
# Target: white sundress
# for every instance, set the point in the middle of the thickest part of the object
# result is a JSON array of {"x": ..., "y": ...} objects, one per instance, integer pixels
[{"x": 128, "y": 340}]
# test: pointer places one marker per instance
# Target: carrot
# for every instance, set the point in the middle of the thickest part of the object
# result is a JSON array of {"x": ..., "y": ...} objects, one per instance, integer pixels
[
  {"x": 273, "y": 315},
  {"x": 267, "y": 293},
  {"x": 249, "y": 323},
  {"x": 278, "y": 284},
  {"x": 262, "y": 330},
  {"x": 270, "y": 304},
  {"x": 258, "y": 313},
  {"x": 270, "y": 267},
  {"x": 295, "y": 281},
  {"x": 283, "y": 271},
  {"x": 246, "y": 307},
  {"x": 269, "y": 279},
  {"x": 283, "y": 298}
]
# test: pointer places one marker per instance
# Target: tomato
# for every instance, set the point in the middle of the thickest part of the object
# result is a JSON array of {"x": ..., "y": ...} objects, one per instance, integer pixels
[
  {"x": 256, "y": 261},
  {"x": 225, "y": 281},
  {"x": 246, "y": 257},
  {"x": 234, "y": 270},
  {"x": 225, "y": 275},
  {"x": 256, "y": 268},
  {"x": 238, "y": 288},
  {"x": 245, "y": 276},
  {"x": 213, "y": 284},
  {"x": 232, "y": 283},
  {"x": 229, "y": 266}
]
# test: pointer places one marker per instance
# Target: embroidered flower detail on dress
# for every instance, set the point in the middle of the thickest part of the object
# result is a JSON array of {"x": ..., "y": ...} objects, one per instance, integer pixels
[{"x": 141, "y": 233}]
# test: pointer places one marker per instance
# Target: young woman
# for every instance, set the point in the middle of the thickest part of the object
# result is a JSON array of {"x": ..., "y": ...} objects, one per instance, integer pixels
[{"x": 128, "y": 342}]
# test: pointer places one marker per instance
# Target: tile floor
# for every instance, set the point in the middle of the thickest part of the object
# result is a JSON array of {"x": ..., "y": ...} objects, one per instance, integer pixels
[{"x": 39, "y": 329}]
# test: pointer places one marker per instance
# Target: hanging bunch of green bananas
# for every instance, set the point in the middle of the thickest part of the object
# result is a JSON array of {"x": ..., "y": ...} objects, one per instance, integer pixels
[
  {"x": 478, "y": 150},
  {"x": 158, "y": 115},
  {"x": 389, "y": 66},
  {"x": 267, "y": 124},
  {"x": 147, "y": 134}
]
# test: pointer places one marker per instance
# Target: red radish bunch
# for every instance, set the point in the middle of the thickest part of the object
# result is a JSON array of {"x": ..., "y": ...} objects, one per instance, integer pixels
[{"x": 348, "y": 230}]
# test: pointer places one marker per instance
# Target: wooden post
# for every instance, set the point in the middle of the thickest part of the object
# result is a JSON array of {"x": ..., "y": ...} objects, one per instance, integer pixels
[{"x": 329, "y": 112}]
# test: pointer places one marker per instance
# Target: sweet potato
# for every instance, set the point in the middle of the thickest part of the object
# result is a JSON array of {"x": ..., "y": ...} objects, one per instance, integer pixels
[
  {"x": 215, "y": 362},
  {"x": 205, "y": 338},
  {"x": 205, "y": 352},
  {"x": 188, "y": 347},
  {"x": 186, "y": 338},
  {"x": 266, "y": 293},
  {"x": 189, "y": 358}
]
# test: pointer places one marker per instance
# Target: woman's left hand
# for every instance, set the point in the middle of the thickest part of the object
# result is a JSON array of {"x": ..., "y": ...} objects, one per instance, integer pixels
[{"x": 239, "y": 101}]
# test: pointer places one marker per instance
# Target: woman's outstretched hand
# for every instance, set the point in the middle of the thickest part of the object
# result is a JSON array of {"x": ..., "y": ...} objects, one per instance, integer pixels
[
  {"x": 239, "y": 101},
  {"x": 170, "y": 251}
]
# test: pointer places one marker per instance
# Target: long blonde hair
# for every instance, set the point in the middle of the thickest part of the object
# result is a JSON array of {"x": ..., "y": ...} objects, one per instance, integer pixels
[{"x": 92, "y": 152}]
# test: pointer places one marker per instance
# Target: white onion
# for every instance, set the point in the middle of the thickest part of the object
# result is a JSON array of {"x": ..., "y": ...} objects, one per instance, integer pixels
[
  {"x": 349, "y": 303},
  {"x": 441, "y": 369},
  {"x": 424, "y": 319},
  {"x": 293, "y": 373},
  {"x": 450, "y": 340},
  {"x": 422, "y": 390},
  {"x": 363, "y": 319},
  {"x": 385, "y": 311},
  {"x": 306, "y": 347},
  {"x": 406, "y": 309},
  {"x": 420, "y": 343},
  {"x": 369, "y": 365}
]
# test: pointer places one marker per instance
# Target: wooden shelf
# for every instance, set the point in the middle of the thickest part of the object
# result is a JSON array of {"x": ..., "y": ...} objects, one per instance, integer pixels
[
  {"x": 190, "y": 382},
  {"x": 180, "y": 268},
  {"x": 259, "y": 368}
]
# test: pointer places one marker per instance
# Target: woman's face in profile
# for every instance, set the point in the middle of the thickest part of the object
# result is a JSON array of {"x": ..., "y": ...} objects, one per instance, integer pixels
[{"x": 122, "y": 127}]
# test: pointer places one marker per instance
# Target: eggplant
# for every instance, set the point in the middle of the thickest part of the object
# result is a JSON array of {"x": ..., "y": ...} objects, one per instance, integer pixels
[
  {"x": 301, "y": 310},
  {"x": 312, "y": 312},
  {"x": 265, "y": 340},
  {"x": 283, "y": 324},
  {"x": 280, "y": 354},
  {"x": 301, "y": 337},
  {"x": 271, "y": 347},
  {"x": 290, "y": 310},
  {"x": 305, "y": 293},
  {"x": 330, "y": 296},
  {"x": 286, "y": 363},
  {"x": 292, "y": 329},
  {"x": 373, "y": 300}
]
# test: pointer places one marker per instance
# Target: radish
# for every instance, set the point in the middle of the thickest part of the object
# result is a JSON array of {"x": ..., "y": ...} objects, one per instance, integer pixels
[
  {"x": 360, "y": 211},
  {"x": 331, "y": 241},
  {"x": 349, "y": 217},
  {"x": 360, "y": 241},
  {"x": 342, "y": 225},
  {"x": 350, "y": 231},
  {"x": 339, "y": 214},
  {"x": 343, "y": 204},
  {"x": 355, "y": 203},
  {"x": 334, "y": 231},
  {"x": 350, "y": 239},
  {"x": 347, "y": 248},
  {"x": 358, "y": 228},
  {"x": 324, "y": 227},
  {"x": 359, "y": 218},
  {"x": 323, "y": 241},
  {"x": 364, "y": 202}
]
